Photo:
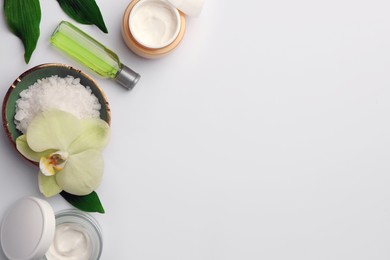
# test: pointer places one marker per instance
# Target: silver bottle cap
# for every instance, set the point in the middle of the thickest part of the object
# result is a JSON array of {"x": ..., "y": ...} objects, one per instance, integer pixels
[{"x": 127, "y": 77}]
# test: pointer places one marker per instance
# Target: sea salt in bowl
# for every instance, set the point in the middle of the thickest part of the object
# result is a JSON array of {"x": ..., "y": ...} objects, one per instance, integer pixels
[{"x": 30, "y": 77}]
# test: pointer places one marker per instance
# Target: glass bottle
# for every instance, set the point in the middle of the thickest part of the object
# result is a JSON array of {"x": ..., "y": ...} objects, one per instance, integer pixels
[{"x": 83, "y": 48}]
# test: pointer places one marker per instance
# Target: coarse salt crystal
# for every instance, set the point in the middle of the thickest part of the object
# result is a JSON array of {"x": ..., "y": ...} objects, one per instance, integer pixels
[{"x": 66, "y": 94}]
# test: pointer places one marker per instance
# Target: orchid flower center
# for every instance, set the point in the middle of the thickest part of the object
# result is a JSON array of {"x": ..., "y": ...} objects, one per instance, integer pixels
[{"x": 54, "y": 163}]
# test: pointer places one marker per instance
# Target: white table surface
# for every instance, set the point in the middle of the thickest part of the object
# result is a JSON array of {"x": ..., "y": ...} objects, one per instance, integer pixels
[{"x": 265, "y": 135}]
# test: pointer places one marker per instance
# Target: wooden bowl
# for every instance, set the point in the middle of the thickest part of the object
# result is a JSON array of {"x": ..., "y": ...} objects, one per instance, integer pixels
[{"x": 29, "y": 77}]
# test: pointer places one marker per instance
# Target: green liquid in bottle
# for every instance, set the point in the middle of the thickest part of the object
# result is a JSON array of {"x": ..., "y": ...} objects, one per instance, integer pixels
[{"x": 86, "y": 50}]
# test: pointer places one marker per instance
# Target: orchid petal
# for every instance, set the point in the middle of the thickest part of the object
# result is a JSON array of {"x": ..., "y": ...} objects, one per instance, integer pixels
[
  {"x": 25, "y": 150},
  {"x": 95, "y": 134},
  {"x": 82, "y": 173},
  {"x": 52, "y": 129},
  {"x": 48, "y": 185},
  {"x": 53, "y": 163}
]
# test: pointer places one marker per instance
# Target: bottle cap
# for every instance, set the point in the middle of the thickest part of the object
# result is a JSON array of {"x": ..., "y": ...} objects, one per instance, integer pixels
[
  {"x": 189, "y": 7},
  {"x": 127, "y": 77},
  {"x": 27, "y": 230}
]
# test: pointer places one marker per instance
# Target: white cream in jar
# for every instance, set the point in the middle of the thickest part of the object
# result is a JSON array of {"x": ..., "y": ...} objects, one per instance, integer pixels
[
  {"x": 71, "y": 242},
  {"x": 154, "y": 23},
  {"x": 77, "y": 237},
  {"x": 154, "y": 28}
]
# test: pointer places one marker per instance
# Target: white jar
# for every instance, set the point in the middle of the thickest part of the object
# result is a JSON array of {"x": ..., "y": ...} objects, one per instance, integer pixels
[{"x": 84, "y": 233}]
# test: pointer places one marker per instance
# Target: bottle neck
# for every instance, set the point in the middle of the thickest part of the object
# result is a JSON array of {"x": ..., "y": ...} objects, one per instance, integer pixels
[{"x": 127, "y": 77}]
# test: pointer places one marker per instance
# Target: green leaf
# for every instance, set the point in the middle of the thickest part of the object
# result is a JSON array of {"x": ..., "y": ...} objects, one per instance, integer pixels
[
  {"x": 23, "y": 18},
  {"x": 88, "y": 203},
  {"x": 84, "y": 11}
]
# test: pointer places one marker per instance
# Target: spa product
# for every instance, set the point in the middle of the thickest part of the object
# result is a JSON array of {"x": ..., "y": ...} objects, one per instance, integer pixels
[
  {"x": 77, "y": 237},
  {"x": 155, "y": 23},
  {"x": 66, "y": 94},
  {"x": 31, "y": 230},
  {"x": 83, "y": 48},
  {"x": 154, "y": 28},
  {"x": 70, "y": 241}
]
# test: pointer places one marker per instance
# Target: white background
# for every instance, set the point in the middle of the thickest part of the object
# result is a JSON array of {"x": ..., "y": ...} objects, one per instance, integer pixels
[{"x": 265, "y": 135}]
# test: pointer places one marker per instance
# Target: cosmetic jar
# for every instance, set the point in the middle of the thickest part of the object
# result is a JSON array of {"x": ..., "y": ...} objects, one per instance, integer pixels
[
  {"x": 87, "y": 230},
  {"x": 30, "y": 231},
  {"x": 154, "y": 28}
]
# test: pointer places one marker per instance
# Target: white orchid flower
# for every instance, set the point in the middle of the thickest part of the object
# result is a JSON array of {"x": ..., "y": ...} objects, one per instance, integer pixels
[{"x": 68, "y": 150}]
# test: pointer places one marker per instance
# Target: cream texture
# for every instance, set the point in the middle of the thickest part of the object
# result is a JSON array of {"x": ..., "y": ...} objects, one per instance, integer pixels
[
  {"x": 71, "y": 242},
  {"x": 154, "y": 23}
]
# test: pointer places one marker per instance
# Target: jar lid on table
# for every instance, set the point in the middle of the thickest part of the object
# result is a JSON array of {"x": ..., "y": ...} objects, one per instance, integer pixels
[
  {"x": 189, "y": 7},
  {"x": 27, "y": 230}
]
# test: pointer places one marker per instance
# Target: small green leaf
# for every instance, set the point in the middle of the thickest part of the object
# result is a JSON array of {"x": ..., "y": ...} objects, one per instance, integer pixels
[
  {"x": 84, "y": 11},
  {"x": 23, "y": 18},
  {"x": 88, "y": 203}
]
